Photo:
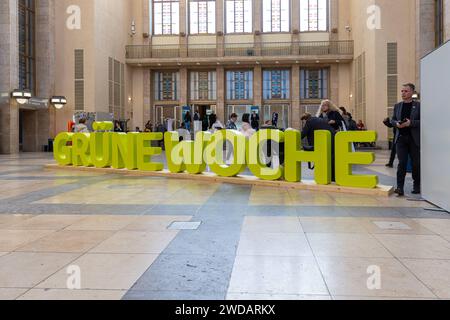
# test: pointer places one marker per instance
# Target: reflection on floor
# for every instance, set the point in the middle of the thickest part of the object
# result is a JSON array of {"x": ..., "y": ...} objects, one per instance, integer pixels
[{"x": 78, "y": 235}]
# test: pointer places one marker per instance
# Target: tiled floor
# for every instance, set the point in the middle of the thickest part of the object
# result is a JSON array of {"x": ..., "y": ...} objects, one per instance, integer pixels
[{"x": 109, "y": 236}]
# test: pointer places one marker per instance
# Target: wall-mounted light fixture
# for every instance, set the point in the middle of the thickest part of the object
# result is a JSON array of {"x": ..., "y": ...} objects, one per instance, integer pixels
[
  {"x": 133, "y": 28},
  {"x": 58, "y": 102},
  {"x": 21, "y": 96}
]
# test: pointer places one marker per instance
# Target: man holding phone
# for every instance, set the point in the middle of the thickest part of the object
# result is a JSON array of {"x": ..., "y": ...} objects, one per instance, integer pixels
[{"x": 407, "y": 139}]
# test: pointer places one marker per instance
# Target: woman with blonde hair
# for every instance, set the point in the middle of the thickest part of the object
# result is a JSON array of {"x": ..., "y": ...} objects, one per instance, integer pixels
[{"x": 331, "y": 114}]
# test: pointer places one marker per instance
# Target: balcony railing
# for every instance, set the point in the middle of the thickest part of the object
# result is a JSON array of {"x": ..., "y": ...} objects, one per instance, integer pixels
[{"x": 264, "y": 49}]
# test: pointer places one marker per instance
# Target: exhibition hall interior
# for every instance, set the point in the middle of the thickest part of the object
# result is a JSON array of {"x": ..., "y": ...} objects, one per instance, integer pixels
[{"x": 224, "y": 150}]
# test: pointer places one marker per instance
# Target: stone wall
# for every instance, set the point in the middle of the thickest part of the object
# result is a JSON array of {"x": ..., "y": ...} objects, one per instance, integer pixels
[{"x": 9, "y": 78}]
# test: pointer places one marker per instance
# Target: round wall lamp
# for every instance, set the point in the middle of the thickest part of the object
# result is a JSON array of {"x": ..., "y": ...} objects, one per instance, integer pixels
[
  {"x": 21, "y": 96},
  {"x": 58, "y": 102}
]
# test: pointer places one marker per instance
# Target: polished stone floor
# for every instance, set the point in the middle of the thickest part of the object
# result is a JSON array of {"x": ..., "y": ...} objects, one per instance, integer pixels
[{"x": 154, "y": 238}]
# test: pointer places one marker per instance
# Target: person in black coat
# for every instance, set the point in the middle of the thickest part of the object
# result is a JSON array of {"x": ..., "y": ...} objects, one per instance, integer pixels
[
  {"x": 255, "y": 121},
  {"x": 390, "y": 164},
  {"x": 407, "y": 139},
  {"x": 313, "y": 124},
  {"x": 331, "y": 114}
]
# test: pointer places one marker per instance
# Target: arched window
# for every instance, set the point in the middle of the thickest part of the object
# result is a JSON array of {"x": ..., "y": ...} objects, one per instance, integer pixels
[
  {"x": 238, "y": 16},
  {"x": 313, "y": 15},
  {"x": 276, "y": 15},
  {"x": 166, "y": 17},
  {"x": 202, "y": 16}
]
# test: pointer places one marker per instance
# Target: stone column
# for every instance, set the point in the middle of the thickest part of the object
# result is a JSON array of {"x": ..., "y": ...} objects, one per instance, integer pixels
[
  {"x": 9, "y": 77},
  {"x": 220, "y": 74},
  {"x": 447, "y": 19},
  {"x": 45, "y": 70},
  {"x": 220, "y": 28},
  {"x": 425, "y": 31},
  {"x": 334, "y": 19},
  {"x": 295, "y": 26},
  {"x": 257, "y": 25},
  {"x": 257, "y": 86},
  {"x": 148, "y": 107},
  {"x": 183, "y": 28},
  {"x": 334, "y": 83},
  {"x": 184, "y": 85},
  {"x": 295, "y": 94}
]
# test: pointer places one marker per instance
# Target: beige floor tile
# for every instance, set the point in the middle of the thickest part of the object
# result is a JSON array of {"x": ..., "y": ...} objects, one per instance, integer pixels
[
  {"x": 331, "y": 225},
  {"x": 155, "y": 223},
  {"x": 272, "y": 225},
  {"x": 104, "y": 271},
  {"x": 274, "y": 297},
  {"x": 136, "y": 242},
  {"x": 276, "y": 275},
  {"x": 13, "y": 188},
  {"x": 10, "y": 240},
  {"x": 446, "y": 237},
  {"x": 277, "y": 200},
  {"x": 308, "y": 198},
  {"x": 26, "y": 270},
  {"x": 11, "y": 293},
  {"x": 7, "y": 220},
  {"x": 346, "y": 245},
  {"x": 67, "y": 241},
  {"x": 274, "y": 244},
  {"x": 47, "y": 222},
  {"x": 66, "y": 294},
  {"x": 439, "y": 226},
  {"x": 398, "y": 226},
  {"x": 349, "y": 200},
  {"x": 435, "y": 274},
  {"x": 416, "y": 246},
  {"x": 3, "y": 253},
  {"x": 351, "y": 276},
  {"x": 105, "y": 223}
]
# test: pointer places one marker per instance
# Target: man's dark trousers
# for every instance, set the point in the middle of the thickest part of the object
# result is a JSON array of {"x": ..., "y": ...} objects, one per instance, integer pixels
[{"x": 406, "y": 147}]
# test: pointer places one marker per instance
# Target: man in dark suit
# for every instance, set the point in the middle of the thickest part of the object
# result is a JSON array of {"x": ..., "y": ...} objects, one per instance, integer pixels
[{"x": 407, "y": 139}]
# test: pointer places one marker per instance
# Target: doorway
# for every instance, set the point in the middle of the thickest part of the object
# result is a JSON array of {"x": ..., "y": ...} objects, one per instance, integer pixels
[{"x": 28, "y": 137}]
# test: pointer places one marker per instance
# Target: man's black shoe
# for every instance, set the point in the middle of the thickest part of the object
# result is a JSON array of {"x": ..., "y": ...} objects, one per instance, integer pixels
[
  {"x": 390, "y": 165},
  {"x": 399, "y": 192},
  {"x": 416, "y": 191}
]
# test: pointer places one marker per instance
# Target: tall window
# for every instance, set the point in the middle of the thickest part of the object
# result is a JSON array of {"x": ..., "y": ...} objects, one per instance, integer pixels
[
  {"x": 276, "y": 84},
  {"x": 166, "y": 16},
  {"x": 239, "y": 85},
  {"x": 276, "y": 15},
  {"x": 313, "y": 15},
  {"x": 314, "y": 83},
  {"x": 202, "y": 16},
  {"x": 439, "y": 20},
  {"x": 27, "y": 66},
  {"x": 116, "y": 83},
  {"x": 166, "y": 86},
  {"x": 239, "y": 16},
  {"x": 203, "y": 85}
]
